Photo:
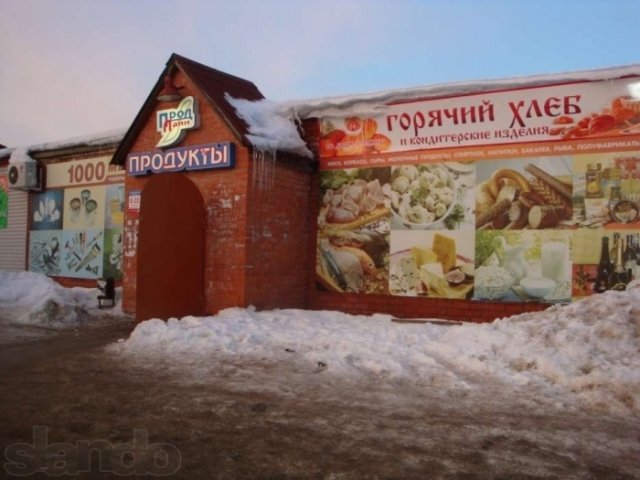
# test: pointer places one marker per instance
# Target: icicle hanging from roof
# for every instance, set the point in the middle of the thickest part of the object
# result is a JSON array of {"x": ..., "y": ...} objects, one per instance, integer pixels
[{"x": 263, "y": 169}]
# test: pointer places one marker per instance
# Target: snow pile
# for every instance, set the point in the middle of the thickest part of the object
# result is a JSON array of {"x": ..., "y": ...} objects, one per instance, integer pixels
[
  {"x": 20, "y": 155},
  {"x": 588, "y": 350},
  {"x": 5, "y": 152},
  {"x": 34, "y": 299},
  {"x": 271, "y": 126},
  {"x": 590, "y": 347}
]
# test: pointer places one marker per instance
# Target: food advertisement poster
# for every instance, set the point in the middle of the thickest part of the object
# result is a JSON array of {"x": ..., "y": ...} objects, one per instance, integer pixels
[
  {"x": 528, "y": 195},
  {"x": 76, "y": 230},
  {"x": 4, "y": 201}
]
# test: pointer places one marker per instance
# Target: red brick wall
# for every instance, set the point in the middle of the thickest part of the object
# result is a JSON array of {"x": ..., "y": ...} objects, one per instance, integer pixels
[
  {"x": 278, "y": 229},
  {"x": 408, "y": 307},
  {"x": 225, "y": 198}
]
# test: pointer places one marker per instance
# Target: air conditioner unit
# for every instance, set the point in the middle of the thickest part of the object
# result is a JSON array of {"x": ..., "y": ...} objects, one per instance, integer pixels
[{"x": 24, "y": 176}]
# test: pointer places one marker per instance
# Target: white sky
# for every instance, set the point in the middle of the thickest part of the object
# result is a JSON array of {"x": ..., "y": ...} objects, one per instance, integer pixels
[{"x": 71, "y": 68}]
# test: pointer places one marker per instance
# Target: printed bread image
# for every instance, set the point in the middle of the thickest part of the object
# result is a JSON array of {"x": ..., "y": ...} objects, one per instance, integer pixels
[{"x": 510, "y": 200}]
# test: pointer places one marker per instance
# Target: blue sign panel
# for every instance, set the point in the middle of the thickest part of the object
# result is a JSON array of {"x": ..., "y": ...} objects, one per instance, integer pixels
[{"x": 197, "y": 157}]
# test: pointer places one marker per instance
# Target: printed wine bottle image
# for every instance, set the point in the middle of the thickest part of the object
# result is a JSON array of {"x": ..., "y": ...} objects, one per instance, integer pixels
[
  {"x": 614, "y": 248},
  {"x": 604, "y": 267},
  {"x": 629, "y": 257},
  {"x": 618, "y": 275}
]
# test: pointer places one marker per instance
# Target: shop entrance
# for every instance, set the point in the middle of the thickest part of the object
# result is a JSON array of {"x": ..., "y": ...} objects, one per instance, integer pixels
[{"x": 170, "y": 249}]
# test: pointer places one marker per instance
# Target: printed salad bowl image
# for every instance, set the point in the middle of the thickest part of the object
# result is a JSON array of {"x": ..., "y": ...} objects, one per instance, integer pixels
[{"x": 422, "y": 196}]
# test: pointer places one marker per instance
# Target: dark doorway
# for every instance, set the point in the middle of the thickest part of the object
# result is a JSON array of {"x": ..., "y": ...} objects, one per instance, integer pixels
[{"x": 170, "y": 249}]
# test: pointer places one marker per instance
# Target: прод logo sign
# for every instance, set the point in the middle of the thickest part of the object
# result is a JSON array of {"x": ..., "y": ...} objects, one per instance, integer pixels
[{"x": 173, "y": 123}]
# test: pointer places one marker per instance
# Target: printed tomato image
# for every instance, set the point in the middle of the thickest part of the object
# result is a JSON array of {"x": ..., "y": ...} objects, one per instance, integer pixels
[
  {"x": 357, "y": 137},
  {"x": 622, "y": 117},
  {"x": 329, "y": 142},
  {"x": 353, "y": 124}
]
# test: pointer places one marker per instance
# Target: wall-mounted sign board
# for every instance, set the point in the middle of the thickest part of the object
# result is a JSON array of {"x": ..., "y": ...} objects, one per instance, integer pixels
[{"x": 196, "y": 157}]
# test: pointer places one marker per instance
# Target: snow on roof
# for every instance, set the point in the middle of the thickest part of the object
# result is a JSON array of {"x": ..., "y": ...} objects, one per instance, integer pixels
[
  {"x": 20, "y": 155},
  {"x": 97, "y": 139},
  {"x": 270, "y": 126},
  {"x": 375, "y": 101},
  {"x": 5, "y": 152},
  {"x": 273, "y": 124},
  {"x": 94, "y": 140}
]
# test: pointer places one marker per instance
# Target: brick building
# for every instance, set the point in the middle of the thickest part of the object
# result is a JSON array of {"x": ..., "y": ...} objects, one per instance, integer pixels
[
  {"x": 466, "y": 201},
  {"x": 250, "y": 225}
]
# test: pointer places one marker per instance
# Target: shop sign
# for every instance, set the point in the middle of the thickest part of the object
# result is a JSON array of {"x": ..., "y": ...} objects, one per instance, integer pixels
[
  {"x": 92, "y": 171},
  {"x": 172, "y": 123},
  {"x": 4, "y": 201},
  {"x": 197, "y": 157},
  {"x": 551, "y": 113}
]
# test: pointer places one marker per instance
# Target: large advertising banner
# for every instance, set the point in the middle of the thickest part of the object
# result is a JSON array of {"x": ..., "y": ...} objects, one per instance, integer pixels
[
  {"x": 76, "y": 227},
  {"x": 507, "y": 196},
  {"x": 555, "y": 113}
]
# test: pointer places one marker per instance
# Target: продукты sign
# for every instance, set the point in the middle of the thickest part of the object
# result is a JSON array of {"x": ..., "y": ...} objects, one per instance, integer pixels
[{"x": 199, "y": 157}]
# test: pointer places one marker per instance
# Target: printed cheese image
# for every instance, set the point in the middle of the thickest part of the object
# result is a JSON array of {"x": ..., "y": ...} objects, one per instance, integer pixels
[
  {"x": 445, "y": 249},
  {"x": 429, "y": 264},
  {"x": 423, "y": 255}
]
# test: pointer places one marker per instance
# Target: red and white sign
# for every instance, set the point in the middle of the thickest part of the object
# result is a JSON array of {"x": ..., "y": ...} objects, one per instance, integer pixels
[
  {"x": 551, "y": 113},
  {"x": 93, "y": 171}
]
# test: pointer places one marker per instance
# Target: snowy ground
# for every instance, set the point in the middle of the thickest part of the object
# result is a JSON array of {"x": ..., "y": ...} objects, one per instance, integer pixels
[
  {"x": 300, "y": 394},
  {"x": 33, "y": 306},
  {"x": 584, "y": 355}
]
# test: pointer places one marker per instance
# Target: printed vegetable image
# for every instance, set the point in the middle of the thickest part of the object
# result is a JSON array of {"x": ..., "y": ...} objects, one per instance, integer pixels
[
  {"x": 356, "y": 136},
  {"x": 623, "y": 116}
]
